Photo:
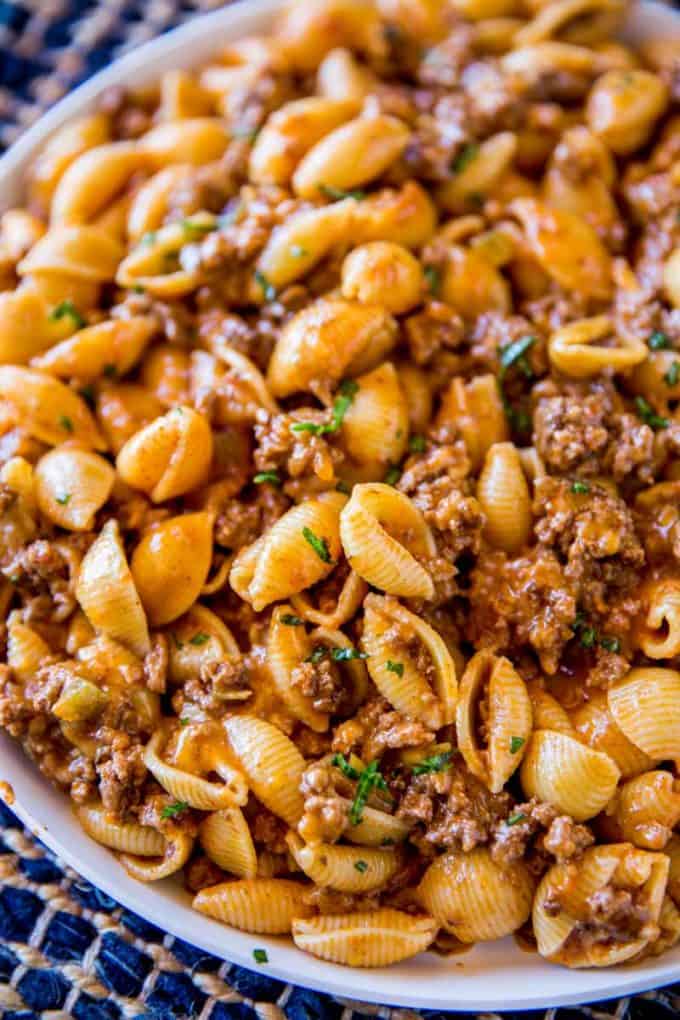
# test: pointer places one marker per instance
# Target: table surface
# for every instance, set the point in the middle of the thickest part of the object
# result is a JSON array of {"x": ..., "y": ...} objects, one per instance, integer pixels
[{"x": 66, "y": 949}]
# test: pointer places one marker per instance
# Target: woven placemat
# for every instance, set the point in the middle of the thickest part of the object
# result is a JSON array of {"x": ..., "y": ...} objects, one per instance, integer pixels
[{"x": 67, "y": 949}]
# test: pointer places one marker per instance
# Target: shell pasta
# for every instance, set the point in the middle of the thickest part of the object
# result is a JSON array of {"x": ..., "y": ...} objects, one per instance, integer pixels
[{"x": 340, "y": 479}]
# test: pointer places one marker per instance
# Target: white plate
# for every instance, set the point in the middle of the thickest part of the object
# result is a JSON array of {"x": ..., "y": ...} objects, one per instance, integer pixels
[{"x": 495, "y": 976}]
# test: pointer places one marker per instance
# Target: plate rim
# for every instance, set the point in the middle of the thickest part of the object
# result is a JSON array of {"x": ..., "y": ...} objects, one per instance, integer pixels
[{"x": 303, "y": 970}]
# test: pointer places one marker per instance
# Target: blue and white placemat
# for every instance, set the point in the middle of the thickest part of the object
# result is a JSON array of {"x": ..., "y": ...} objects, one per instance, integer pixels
[{"x": 66, "y": 949}]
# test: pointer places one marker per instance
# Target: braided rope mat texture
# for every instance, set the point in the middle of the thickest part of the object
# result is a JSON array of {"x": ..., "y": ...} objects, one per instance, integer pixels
[{"x": 66, "y": 949}]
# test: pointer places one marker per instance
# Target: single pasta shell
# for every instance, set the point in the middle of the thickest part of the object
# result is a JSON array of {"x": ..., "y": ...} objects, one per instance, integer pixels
[
  {"x": 287, "y": 648},
  {"x": 646, "y": 707},
  {"x": 190, "y": 789},
  {"x": 177, "y": 853},
  {"x": 367, "y": 523},
  {"x": 93, "y": 179},
  {"x": 376, "y": 938},
  {"x": 71, "y": 485},
  {"x": 170, "y": 565},
  {"x": 504, "y": 497},
  {"x": 375, "y": 428},
  {"x": 107, "y": 348},
  {"x": 26, "y": 650},
  {"x": 25, "y": 328},
  {"x": 272, "y": 764},
  {"x": 659, "y": 636},
  {"x": 128, "y": 837},
  {"x": 594, "y": 723},
  {"x": 86, "y": 253},
  {"x": 509, "y": 718},
  {"x": 226, "y": 839},
  {"x": 377, "y": 828},
  {"x": 195, "y": 140},
  {"x": 107, "y": 594},
  {"x": 648, "y": 809},
  {"x": 407, "y": 689},
  {"x": 47, "y": 408},
  {"x": 548, "y": 714},
  {"x": 566, "y": 773},
  {"x": 169, "y": 456},
  {"x": 474, "y": 898},
  {"x": 345, "y": 868},
  {"x": 302, "y": 240},
  {"x": 265, "y": 906},
  {"x": 286, "y": 559}
]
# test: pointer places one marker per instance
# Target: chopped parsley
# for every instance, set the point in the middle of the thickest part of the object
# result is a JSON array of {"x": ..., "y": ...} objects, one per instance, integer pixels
[
  {"x": 178, "y": 644},
  {"x": 88, "y": 394},
  {"x": 319, "y": 545},
  {"x": 395, "y": 667},
  {"x": 267, "y": 476},
  {"x": 516, "y": 744},
  {"x": 464, "y": 157},
  {"x": 148, "y": 238},
  {"x": 347, "y": 654},
  {"x": 328, "y": 191},
  {"x": 110, "y": 371},
  {"x": 343, "y": 487},
  {"x": 515, "y": 353},
  {"x": 516, "y": 819},
  {"x": 192, "y": 228},
  {"x": 588, "y": 637},
  {"x": 649, "y": 416},
  {"x": 184, "y": 721},
  {"x": 610, "y": 644},
  {"x": 341, "y": 763},
  {"x": 672, "y": 376},
  {"x": 348, "y": 391},
  {"x": 63, "y": 500},
  {"x": 199, "y": 639},
  {"x": 361, "y": 866},
  {"x": 290, "y": 620},
  {"x": 658, "y": 341},
  {"x": 297, "y": 251},
  {"x": 170, "y": 810},
  {"x": 416, "y": 444},
  {"x": 66, "y": 309},
  {"x": 66, "y": 423},
  {"x": 580, "y": 487},
  {"x": 268, "y": 288},
  {"x": 433, "y": 276},
  {"x": 318, "y": 654},
  {"x": 369, "y": 780},
  {"x": 260, "y": 956},
  {"x": 435, "y": 763},
  {"x": 393, "y": 475}
]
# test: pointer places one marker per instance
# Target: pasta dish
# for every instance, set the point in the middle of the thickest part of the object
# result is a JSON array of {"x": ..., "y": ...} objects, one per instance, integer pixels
[{"x": 340, "y": 479}]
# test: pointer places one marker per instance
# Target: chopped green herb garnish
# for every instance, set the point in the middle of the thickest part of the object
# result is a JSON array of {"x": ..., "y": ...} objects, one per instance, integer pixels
[
  {"x": 435, "y": 763},
  {"x": 290, "y": 620},
  {"x": 658, "y": 341},
  {"x": 341, "y": 763},
  {"x": 198, "y": 229},
  {"x": 361, "y": 866},
  {"x": 66, "y": 309},
  {"x": 318, "y": 654},
  {"x": 63, "y": 500},
  {"x": 184, "y": 721},
  {"x": 148, "y": 238},
  {"x": 343, "y": 487},
  {"x": 297, "y": 251},
  {"x": 516, "y": 819},
  {"x": 588, "y": 636},
  {"x": 393, "y": 475},
  {"x": 260, "y": 956},
  {"x": 416, "y": 444},
  {"x": 395, "y": 667},
  {"x": 319, "y": 545},
  {"x": 199, "y": 639},
  {"x": 348, "y": 391},
  {"x": 267, "y": 476},
  {"x": 433, "y": 277},
  {"x": 110, "y": 371},
  {"x": 66, "y": 423},
  {"x": 672, "y": 376},
  {"x": 369, "y": 780},
  {"x": 387, "y": 841},
  {"x": 611, "y": 644},
  {"x": 346, "y": 654},
  {"x": 516, "y": 744},
  {"x": 268, "y": 288},
  {"x": 580, "y": 487},
  {"x": 138, "y": 289},
  {"x": 338, "y": 193},
  {"x": 88, "y": 394},
  {"x": 178, "y": 643},
  {"x": 649, "y": 416},
  {"x": 464, "y": 157},
  {"x": 515, "y": 353},
  {"x": 170, "y": 810}
]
